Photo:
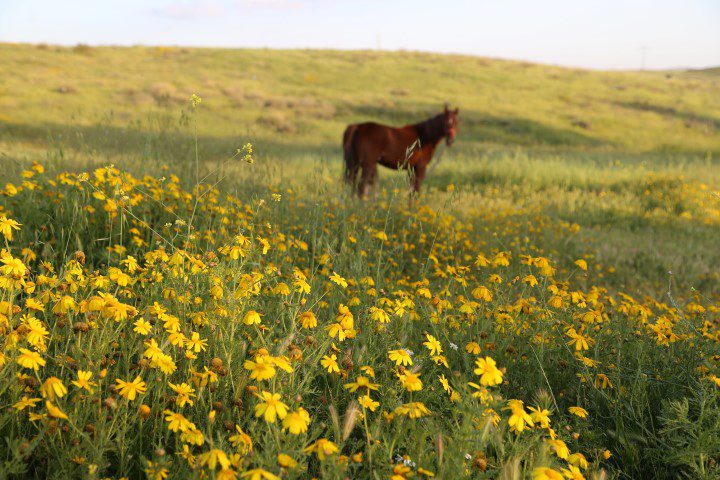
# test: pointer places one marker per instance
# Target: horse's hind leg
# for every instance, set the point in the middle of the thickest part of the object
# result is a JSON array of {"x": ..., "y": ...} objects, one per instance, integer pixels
[
  {"x": 352, "y": 165},
  {"x": 351, "y": 173},
  {"x": 367, "y": 178}
]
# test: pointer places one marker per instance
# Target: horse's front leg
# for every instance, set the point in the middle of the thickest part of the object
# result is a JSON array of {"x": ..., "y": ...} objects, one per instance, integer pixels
[
  {"x": 418, "y": 177},
  {"x": 416, "y": 174},
  {"x": 411, "y": 178}
]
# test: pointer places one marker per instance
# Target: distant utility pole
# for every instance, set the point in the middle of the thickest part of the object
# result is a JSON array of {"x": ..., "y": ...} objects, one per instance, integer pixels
[{"x": 643, "y": 52}]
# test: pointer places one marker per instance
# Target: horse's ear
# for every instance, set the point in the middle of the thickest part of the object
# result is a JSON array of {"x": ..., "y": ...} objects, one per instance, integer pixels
[
  {"x": 447, "y": 107},
  {"x": 457, "y": 110}
]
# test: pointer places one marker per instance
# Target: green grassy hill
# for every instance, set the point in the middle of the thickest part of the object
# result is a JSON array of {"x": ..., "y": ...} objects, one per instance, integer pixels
[{"x": 298, "y": 102}]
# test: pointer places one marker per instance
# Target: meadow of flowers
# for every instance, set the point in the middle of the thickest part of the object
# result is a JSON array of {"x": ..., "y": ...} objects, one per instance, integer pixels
[{"x": 152, "y": 330}]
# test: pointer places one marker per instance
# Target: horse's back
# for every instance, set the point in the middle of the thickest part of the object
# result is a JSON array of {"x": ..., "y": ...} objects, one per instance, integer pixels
[
  {"x": 363, "y": 130},
  {"x": 378, "y": 134},
  {"x": 373, "y": 127}
]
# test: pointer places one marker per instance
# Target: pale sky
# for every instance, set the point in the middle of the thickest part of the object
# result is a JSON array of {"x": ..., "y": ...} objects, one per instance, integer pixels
[{"x": 605, "y": 34}]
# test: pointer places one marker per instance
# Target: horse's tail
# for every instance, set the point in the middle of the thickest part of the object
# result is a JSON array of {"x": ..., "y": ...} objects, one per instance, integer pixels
[{"x": 349, "y": 152}]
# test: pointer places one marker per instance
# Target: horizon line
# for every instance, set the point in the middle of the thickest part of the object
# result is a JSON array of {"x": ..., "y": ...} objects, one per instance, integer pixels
[{"x": 340, "y": 49}]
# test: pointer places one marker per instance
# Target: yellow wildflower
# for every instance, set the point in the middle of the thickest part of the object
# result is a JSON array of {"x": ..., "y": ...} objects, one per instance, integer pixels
[{"x": 270, "y": 407}]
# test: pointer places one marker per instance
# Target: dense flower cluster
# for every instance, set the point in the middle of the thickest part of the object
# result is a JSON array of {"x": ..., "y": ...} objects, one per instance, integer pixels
[{"x": 199, "y": 334}]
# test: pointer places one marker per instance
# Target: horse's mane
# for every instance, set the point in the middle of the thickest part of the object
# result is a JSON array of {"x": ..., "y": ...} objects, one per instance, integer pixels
[{"x": 431, "y": 130}]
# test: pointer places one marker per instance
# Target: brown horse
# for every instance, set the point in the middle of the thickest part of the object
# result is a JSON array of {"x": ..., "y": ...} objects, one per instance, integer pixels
[{"x": 410, "y": 147}]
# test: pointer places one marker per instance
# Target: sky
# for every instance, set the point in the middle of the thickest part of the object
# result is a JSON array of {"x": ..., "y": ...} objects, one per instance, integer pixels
[{"x": 600, "y": 34}]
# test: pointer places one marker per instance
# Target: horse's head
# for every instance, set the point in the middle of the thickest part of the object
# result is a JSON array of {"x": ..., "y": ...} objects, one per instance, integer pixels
[{"x": 450, "y": 123}]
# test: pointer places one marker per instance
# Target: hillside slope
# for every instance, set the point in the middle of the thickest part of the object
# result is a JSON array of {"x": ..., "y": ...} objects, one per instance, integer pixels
[{"x": 299, "y": 101}]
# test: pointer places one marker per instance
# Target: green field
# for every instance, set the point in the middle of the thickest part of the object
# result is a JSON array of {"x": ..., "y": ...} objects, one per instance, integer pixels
[
  {"x": 553, "y": 169},
  {"x": 300, "y": 101},
  {"x": 582, "y": 146}
]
